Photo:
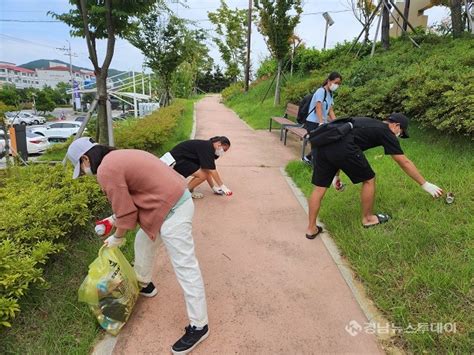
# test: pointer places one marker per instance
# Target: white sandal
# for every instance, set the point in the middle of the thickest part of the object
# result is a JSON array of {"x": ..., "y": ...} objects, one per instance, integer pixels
[{"x": 197, "y": 195}]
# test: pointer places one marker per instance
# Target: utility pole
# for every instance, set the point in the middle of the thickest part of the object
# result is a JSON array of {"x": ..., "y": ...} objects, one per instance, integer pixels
[
  {"x": 249, "y": 30},
  {"x": 70, "y": 54}
]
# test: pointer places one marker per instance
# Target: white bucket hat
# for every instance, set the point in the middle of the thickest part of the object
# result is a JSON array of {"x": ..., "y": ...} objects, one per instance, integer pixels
[{"x": 76, "y": 150}]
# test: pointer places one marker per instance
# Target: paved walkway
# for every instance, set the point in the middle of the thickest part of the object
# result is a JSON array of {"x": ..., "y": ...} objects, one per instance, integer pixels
[{"x": 269, "y": 289}]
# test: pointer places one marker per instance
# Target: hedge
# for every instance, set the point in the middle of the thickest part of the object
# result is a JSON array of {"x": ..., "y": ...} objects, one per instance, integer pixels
[
  {"x": 40, "y": 207},
  {"x": 151, "y": 132}
]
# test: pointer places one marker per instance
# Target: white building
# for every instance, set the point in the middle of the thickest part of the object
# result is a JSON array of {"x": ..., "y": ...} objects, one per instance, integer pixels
[
  {"x": 51, "y": 76},
  {"x": 18, "y": 76}
]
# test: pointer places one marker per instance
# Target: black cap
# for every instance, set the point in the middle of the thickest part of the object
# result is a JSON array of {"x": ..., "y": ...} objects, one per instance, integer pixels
[{"x": 402, "y": 120}]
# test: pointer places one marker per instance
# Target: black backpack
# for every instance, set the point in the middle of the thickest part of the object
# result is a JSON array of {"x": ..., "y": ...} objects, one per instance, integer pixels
[
  {"x": 330, "y": 132},
  {"x": 303, "y": 108}
]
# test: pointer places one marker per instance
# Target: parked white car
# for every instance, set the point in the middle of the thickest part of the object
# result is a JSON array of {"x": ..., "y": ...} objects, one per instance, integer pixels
[
  {"x": 13, "y": 118},
  {"x": 35, "y": 119},
  {"x": 58, "y": 131},
  {"x": 35, "y": 143},
  {"x": 24, "y": 118}
]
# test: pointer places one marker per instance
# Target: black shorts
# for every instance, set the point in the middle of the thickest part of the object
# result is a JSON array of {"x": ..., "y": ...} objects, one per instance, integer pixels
[
  {"x": 343, "y": 155},
  {"x": 186, "y": 167}
]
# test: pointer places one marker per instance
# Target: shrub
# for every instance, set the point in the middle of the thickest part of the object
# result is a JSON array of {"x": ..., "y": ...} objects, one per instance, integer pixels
[
  {"x": 151, "y": 132},
  {"x": 34, "y": 223},
  {"x": 433, "y": 85},
  {"x": 232, "y": 90},
  {"x": 267, "y": 67}
]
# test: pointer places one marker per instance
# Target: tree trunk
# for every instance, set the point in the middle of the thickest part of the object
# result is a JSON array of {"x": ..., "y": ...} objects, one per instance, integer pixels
[
  {"x": 456, "y": 17},
  {"x": 102, "y": 133},
  {"x": 366, "y": 35},
  {"x": 385, "y": 27},
  {"x": 277, "y": 87},
  {"x": 406, "y": 13},
  {"x": 4, "y": 127}
]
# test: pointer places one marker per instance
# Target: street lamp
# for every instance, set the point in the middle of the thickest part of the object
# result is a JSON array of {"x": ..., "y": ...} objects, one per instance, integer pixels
[{"x": 329, "y": 22}]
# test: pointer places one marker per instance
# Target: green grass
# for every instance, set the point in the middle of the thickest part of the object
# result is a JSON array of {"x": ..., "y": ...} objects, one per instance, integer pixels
[
  {"x": 52, "y": 321},
  {"x": 258, "y": 114},
  {"x": 418, "y": 268}
]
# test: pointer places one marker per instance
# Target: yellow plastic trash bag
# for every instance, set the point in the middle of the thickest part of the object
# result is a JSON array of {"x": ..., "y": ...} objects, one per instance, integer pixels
[{"x": 110, "y": 289}]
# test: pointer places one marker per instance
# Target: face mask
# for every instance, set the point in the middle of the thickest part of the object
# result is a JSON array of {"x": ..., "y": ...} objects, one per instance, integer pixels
[
  {"x": 220, "y": 152},
  {"x": 88, "y": 171},
  {"x": 333, "y": 87}
]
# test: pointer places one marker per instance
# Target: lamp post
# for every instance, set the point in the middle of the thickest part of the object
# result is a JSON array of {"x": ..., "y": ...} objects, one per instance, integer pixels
[{"x": 329, "y": 22}]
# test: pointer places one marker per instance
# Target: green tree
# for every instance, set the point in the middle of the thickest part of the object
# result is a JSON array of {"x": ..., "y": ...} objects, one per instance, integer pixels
[
  {"x": 166, "y": 43},
  {"x": 44, "y": 102},
  {"x": 61, "y": 93},
  {"x": 9, "y": 95},
  {"x": 231, "y": 27},
  {"x": 362, "y": 10},
  {"x": 53, "y": 94},
  {"x": 277, "y": 25},
  {"x": 103, "y": 19}
]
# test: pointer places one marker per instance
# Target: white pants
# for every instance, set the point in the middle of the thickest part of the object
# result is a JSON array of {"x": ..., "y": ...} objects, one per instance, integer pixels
[{"x": 176, "y": 233}]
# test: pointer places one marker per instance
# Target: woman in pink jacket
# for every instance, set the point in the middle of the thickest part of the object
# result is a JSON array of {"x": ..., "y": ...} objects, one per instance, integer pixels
[{"x": 143, "y": 190}]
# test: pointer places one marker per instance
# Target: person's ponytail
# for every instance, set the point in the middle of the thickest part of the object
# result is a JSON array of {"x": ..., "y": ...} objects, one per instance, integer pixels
[{"x": 332, "y": 76}]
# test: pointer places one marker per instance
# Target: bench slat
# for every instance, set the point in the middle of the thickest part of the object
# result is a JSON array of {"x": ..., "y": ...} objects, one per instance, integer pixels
[
  {"x": 282, "y": 120},
  {"x": 300, "y": 132}
]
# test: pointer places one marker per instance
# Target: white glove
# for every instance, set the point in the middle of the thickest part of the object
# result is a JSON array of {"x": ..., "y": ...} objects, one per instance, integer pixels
[
  {"x": 217, "y": 190},
  {"x": 433, "y": 190},
  {"x": 337, "y": 183},
  {"x": 226, "y": 191},
  {"x": 113, "y": 241}
]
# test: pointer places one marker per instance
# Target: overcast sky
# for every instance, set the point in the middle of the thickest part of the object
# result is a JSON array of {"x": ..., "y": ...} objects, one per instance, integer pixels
[{"x": 21, "y": 42}]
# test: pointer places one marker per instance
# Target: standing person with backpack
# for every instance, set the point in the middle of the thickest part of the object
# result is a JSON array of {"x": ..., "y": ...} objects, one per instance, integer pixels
[{"x": 321, "y": 111}]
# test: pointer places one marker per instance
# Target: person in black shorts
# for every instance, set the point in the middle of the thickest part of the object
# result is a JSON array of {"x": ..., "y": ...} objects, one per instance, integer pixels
[
  {"x": 197, "y": 158},
  {"x": 347, "y": 155}
]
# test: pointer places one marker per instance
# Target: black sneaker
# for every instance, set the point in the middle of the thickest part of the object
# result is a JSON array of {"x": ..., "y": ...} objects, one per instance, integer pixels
[
  {"x": 149, "y": 291},
  {"x": 190, "y": 339}
]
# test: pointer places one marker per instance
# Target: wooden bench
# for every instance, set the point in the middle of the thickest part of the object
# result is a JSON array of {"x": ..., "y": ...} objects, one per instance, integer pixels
[
  {"x": 301, "y": 133},
  {"x": 287, "y": 125},
  {"x": 291, "y": 111}
]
